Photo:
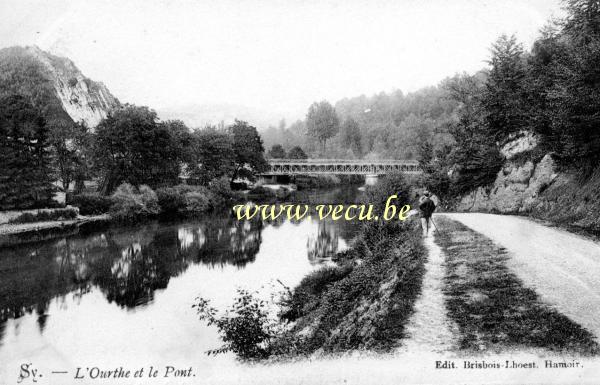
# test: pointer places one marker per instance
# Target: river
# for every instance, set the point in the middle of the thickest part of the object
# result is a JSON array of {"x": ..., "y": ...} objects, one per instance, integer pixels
[{"x": 123, "y": 296}]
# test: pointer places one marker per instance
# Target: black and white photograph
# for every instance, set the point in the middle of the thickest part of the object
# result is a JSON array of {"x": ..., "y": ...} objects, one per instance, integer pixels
[{"x": 321, "y": 192}]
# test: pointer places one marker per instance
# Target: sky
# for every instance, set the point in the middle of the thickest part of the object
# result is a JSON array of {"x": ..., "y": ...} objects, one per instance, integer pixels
[{"x": 271, "y": 55}]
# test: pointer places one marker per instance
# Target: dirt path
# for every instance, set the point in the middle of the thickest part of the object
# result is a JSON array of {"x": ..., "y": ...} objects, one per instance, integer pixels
[
  {"x": 563, "y": 268},
  {"x": 429, "y": 329}
]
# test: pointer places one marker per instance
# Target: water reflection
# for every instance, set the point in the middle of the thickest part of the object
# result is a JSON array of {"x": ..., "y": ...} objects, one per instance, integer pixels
[
  {"x": 127, "y": 265},
  {"x": 323, "y": 244}
]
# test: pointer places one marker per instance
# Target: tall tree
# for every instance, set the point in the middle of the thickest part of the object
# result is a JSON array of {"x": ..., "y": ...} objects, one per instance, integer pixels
[
  {"x": 70, "y": 145},
  {"x": 505, "y": 96},
  {"x": 131, "y": 146},
  {"x": 25, "y": 162},
  {"x": 213, "y": 155},
  {"x": 248, "y": 150},
  {"x": 350, "y": 136},
  {"x": 577, "y": 91},
  {"x": 322, "y": 122}
]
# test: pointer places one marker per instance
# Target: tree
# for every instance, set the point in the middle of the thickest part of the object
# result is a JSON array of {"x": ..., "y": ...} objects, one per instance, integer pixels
[
  {"x": 322, "y": 122},
  {"x": 25, "y": 173},
  {"x": 575, "y": 97},
  {"x": 248, "y": 151},
  {"x": 350, "y": 136},
  {"x": 213, "y": 155},
  {"x": 131, "y": 146},
  {"x": 70, "y": 143},
  {"x": 505, "y": 97},
  {"x": 277, "y": 151},
  {"x": 297, "y": 153}
]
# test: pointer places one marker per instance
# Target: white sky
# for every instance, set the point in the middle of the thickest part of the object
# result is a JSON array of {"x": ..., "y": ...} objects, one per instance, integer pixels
[{"x": 277, "y": 56}]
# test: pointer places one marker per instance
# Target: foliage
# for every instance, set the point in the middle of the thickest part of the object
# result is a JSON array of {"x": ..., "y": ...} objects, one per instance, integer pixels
[
  {"x": 504, "y": 101},
  {"x": 131, "y": 203},
  {"x": 70, "y": 144},
  {"x": 277, "y": 151},
  {"x": 22, "y": 73},
  {"x": 170, "y": 200},
  {"x": 192, "y": 200},
  {"x": 297, "y": 153},
  {"x": 25, "y": 173},
  {"x": 363, "y": 307},
  {"x": 309, "y": 290},
  {"x": 245, "y": 329},
  {"x": 322, "y": 122},
  {"x": 131, "y": 146},
  {"x": 212, "y": 156},
  {"x": 248, "y": 151},
  {"x": 222, "y": 192},
  {"x": 393, "y": 183},
  {"x": 197, "y": 201},
  {"x": 91, "y": 204},
  {"x": 351, "y": 137},
  {"x": 47, "y": 215}
]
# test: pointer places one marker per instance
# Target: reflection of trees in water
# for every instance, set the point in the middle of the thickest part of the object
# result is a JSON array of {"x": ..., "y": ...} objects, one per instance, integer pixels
[
  {"x": 231, "y": 242},
  {"x": 127, "y": 265},
  {"x": 324, "y": 244}
]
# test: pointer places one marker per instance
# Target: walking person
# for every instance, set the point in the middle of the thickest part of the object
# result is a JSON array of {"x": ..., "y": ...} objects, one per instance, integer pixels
[{"x": 426, "y": 206}]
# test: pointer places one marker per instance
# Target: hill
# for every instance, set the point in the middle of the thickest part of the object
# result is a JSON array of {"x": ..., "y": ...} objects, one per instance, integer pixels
[{"x": 54, "y": 85}]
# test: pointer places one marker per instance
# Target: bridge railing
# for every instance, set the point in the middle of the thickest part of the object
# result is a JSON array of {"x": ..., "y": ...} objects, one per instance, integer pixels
[
  {"x": 340, "y": 166},
  {"x": 342, "y": 161}
]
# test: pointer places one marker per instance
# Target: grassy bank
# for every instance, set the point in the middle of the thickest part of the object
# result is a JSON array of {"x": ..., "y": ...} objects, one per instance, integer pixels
[
  {"x": 365, "y": 301},
  {"x": 490, "y": 305}
]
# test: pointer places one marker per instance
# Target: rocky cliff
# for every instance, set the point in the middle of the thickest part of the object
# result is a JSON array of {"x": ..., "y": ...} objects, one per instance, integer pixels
[
  {"x": 55, "y": 85},
  {"x": 537, "y": 188},
  {"x": 519, "y": 182}
]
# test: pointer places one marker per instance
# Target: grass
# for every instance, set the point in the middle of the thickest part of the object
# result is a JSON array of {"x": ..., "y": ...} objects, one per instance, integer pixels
[
  {"x": 364, "y": 304},
  {"x": 492, "y": 308},
  {"x": 65, "y": 214}
]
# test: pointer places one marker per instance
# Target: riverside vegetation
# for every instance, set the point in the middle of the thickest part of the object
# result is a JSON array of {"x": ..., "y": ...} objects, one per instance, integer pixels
[{"x": 363, "y": 302}]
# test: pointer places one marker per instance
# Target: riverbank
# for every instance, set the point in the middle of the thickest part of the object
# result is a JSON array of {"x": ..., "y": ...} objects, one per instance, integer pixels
[{"x": 12, "y": 234}]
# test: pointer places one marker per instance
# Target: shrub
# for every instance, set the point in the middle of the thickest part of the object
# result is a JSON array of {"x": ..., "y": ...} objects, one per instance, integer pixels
[
  {"x": 222, "y": 193},
  {"x": 171, "y": 200},
  {"x": 91, "y": 204},
  {"x": 47, "y": 215},
  {"x": 197, "y": 201},
  {"x": 130, "y": 203},
  {"x": 260, "y": 193},
  {"x": 245, "y": 329},
  {"x": 310, "y": 289},
  {"x": 394, "y": 183}
]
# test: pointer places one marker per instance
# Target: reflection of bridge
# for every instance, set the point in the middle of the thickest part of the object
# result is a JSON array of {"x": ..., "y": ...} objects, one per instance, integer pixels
[{"x": 340, "y": 166}]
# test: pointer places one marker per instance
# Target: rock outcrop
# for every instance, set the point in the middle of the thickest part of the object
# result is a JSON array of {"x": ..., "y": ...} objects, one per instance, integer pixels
[
  {"x": 41, "y": 76},
  {"x": 518, "y": 183}
]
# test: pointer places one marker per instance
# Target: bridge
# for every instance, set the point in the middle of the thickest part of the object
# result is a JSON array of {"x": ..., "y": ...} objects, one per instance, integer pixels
[{"x": 340, "y": 167}]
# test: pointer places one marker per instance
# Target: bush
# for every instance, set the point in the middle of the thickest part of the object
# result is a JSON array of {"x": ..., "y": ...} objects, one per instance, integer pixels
[
  {"x": 47, "y": 215},
  {"x": 130, "y": 203},
  {"x": 222, "y": 194},
  {"x": 91, "y": 204},
  {"x": 197, "y": 201},
  {"x": 245, "y": 329},
  {"x": 171, "y": 200},
  {"x": 260, "y": 193},
  {"x": 310, "y": 289},
  {"x": 394, "y": 183}
]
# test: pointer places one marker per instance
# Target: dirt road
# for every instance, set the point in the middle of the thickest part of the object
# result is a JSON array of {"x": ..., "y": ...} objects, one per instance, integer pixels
[{"x": 563, "y": 268}]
